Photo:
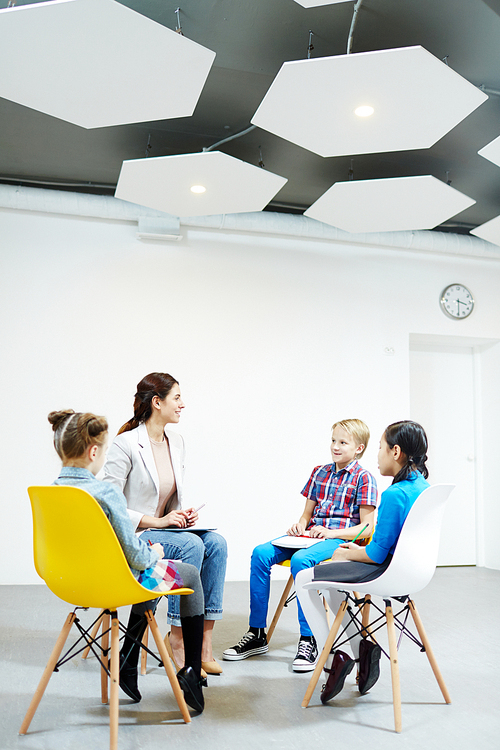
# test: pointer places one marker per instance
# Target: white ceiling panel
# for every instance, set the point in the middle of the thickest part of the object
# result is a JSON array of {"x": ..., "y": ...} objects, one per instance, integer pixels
[
  {"x": 416, "y": 100},
  {"x": 97, "y": 63},
  {"x": 317, "y": 3},
  {"x": 388, "y": 205},
  {"x": 489, "y": 231},
  {"x": 491, "y": 151},
  {"x": 165, "y": 183}
]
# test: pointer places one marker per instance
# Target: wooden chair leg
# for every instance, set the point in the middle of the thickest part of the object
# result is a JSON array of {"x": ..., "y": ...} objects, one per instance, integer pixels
[
  {"x": 176, "y": 688},
  {"x": 104, "y": 619},
  {"x": 279, "y": 608},
  {"x": 144, "y": 653},
  {"x": 93, "y": 634},
  {"x": 393, "y": 653},
  {"x": 428, "y": 650},
  {"x": 47, "y": 674},
  {"x": 324, "y": 654},
  {"x": 114, "y": 682}
]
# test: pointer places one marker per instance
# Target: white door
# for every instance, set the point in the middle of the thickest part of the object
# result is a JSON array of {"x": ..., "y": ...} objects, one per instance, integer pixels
[{"x": 442, "y": 400}]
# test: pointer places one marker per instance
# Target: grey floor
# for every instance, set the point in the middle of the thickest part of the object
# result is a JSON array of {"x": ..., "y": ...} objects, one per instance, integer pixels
[{"x": 256, "y": 703}]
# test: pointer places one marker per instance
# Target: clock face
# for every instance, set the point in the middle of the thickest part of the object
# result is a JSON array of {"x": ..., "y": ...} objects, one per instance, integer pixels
[{"x": 457, "y": 302}]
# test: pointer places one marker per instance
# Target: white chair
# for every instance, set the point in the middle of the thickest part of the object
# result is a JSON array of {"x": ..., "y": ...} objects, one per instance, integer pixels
[{"x": 412, "y": 567}]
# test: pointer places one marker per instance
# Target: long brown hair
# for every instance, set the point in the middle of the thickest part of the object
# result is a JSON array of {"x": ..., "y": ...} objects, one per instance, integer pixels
[
  {"x": 155, "y": 384},
  {"x": 74, "y": 432}
]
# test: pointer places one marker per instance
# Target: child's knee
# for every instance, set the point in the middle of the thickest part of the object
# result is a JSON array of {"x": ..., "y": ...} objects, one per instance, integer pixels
[
  {"x": 261, "y": 556},
  {"x": 299, "y": 562},
  {"x": 190, "y": 575}
]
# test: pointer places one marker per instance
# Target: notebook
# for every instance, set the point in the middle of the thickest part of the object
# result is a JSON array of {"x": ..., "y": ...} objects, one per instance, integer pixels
[{"x": 296, "y": 542}]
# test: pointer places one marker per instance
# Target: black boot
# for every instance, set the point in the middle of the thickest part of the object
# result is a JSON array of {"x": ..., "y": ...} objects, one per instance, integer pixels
[
  {"x": 129, "y": 655},
  {"x": 192, "y": 688},
  {"x": 189, "y": 676}
]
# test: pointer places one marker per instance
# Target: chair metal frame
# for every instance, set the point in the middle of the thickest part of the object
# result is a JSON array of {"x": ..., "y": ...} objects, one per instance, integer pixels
[
  {"x": 411, "y": 569},
  {"x": 78, "y": 555}
]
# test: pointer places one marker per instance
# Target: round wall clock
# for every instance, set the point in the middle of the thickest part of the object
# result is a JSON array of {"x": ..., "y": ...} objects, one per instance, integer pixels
[{"x": 457, "y": 301}]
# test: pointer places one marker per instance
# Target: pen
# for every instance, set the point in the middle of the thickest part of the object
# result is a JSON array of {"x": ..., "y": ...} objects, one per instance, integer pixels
[
  {"x": 197, "y": 509},
  {"x": 356, "y": 537},
  {"x": 359, "y": 534}
]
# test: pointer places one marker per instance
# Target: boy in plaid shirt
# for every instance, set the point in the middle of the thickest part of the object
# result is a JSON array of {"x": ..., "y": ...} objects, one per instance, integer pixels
[{"x": 340, "y": 501}]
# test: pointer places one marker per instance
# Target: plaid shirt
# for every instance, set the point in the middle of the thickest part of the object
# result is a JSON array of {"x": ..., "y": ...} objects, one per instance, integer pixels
[{"x": 339, "y": 494}]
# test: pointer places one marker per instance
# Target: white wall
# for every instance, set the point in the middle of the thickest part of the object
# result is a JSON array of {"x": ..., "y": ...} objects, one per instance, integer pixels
[{"x": 272, "y": 339}]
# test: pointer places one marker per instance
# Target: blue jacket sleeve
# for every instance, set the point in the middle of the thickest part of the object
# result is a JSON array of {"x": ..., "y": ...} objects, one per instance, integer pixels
[{"x": 139, "y": 555}]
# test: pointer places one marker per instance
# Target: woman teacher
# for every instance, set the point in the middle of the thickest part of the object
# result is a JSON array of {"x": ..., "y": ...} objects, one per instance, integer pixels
[{"x": 146, "y": 462}]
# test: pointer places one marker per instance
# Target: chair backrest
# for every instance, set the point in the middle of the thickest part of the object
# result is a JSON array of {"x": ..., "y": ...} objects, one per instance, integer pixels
[
  {"x": 76, "y": 551},
  {"x": 415, "y": 557}
]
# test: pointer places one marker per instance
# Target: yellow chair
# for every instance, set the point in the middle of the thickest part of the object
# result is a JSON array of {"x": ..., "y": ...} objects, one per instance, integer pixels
[{"x": 79, "y": 557}]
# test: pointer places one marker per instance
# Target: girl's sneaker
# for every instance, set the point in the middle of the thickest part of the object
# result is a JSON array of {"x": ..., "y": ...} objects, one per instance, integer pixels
[{"x": 306, "y": 657}]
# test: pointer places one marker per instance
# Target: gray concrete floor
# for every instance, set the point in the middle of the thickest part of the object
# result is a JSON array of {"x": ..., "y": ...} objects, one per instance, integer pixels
[{"x": 256, "y": 702}]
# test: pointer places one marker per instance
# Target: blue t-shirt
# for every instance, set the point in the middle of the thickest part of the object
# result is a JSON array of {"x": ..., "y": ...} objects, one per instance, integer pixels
[{"x": 395, "y": 505}]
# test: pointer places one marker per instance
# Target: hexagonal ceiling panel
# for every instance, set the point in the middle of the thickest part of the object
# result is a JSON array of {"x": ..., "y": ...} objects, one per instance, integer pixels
[
  {"x": 96, "y": 63},
  {"x": 491, "y": 151},
  {"x": 489, "y": 231},
  {"x": 316, "y": 3},
  {"x": 197, "y": 184},
  {"x": 414, "y": 97},
  {"x": 389, "y": 205}
]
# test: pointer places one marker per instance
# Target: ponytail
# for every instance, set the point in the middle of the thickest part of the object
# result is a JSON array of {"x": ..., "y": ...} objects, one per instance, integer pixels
[
  {"x": 155, "y": 384},
  {"x": 411, "y": 438}
]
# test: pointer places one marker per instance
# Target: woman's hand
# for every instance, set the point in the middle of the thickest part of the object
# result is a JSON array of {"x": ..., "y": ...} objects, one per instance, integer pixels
[
  {"x": 174, "y": 518},
  {"x": 159, "y": 549},
  {"x": 296, "y": 530},
  {"x": 191, "y": 516}
]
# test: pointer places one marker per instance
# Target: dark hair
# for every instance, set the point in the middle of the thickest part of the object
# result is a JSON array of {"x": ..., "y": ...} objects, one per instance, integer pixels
[
  {"x": 74, "y": 432},
  {"x": 155, "y": 384},
  {"x": 411, "y": 438}
]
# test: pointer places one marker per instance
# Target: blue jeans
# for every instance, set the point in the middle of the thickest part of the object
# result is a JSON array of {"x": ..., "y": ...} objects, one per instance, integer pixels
[
  {"x": 207, "y": 551},
  {"x": 264, "y": 557}
]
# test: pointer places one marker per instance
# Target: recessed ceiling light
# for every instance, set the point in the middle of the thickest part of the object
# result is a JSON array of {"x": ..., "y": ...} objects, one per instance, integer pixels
[
  {"x": 198, "y": 189},
  {"x": 364, "y": 111}
]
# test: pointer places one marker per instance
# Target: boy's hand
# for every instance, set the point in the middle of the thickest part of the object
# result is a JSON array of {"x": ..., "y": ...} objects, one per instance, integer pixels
[
  {"x": 319, "y": 532},
  {"x": 296, "y": 530}
]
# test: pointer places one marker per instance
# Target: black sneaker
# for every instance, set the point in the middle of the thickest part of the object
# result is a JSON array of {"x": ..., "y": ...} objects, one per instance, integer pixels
[
  {"x": 250, "y": 645},
  {"x": 307, "y": 655}
]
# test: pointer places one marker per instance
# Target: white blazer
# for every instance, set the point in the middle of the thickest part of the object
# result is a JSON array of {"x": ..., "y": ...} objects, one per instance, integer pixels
[{"x": 130, "y": 466}]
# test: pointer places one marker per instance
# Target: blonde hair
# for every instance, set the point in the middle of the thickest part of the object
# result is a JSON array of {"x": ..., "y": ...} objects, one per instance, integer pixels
[
  {"x": 74, "y": 432},
  {"x": 356, "y": 429}
]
